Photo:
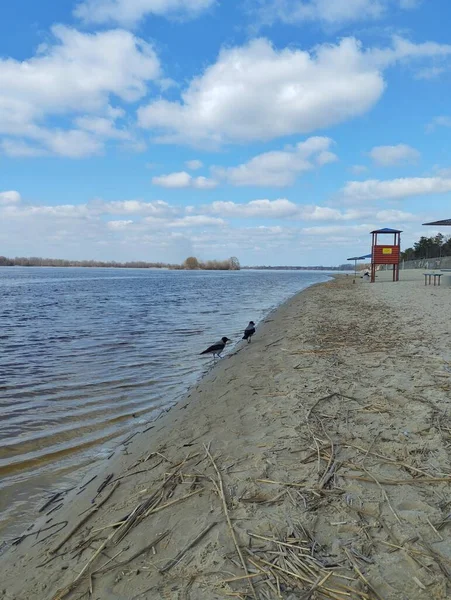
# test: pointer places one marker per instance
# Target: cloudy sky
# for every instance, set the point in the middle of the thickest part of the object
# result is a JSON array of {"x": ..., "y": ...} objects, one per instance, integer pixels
[{"x": 279, "y": 131}]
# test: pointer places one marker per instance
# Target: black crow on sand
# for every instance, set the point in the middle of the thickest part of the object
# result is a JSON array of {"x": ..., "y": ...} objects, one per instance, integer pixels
[
  {"x": 217, "y": 348},
  {"x": 249, "y": 332}
]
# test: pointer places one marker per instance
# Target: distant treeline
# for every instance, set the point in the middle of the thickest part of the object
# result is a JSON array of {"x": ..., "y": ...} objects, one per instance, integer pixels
[
  {"x": 191, "y": 263},
  {"x": 345, "y": 267},
  {"x": 429, "y": 247}
]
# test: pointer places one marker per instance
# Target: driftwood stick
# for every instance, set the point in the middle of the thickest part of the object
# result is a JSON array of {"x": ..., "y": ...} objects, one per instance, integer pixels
[
  {"x": 151, "y": 511},
  {"x": 103, "y": 485},
  {"x": 24, "y": 536},
  {"x": 415, "y": 481},
  {"x": 50, "y": 501},
  {"x": 227, "y": 516},
  {"x": 182, "y": 553},
  {"x": 60, "y": 594},
  {"x": 122, "y": 563},
  {"x": 84, "y": 520},
  {"x": 85, "y": 485}
]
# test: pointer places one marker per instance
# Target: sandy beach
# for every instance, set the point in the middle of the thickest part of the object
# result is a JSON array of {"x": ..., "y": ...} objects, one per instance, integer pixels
[{"x": 312, "y": 463}]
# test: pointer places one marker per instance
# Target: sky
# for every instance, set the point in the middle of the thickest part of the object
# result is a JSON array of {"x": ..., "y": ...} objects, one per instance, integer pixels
[{"x": 278, "y": 131}]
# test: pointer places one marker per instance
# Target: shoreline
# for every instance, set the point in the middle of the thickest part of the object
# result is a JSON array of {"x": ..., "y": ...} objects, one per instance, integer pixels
[
  {"x": 261, "y": 456},
  {"x": 25, "y": 488}
]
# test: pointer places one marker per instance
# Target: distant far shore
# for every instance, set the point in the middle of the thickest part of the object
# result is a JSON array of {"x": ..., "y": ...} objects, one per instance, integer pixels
[{"x": 190, "y": 264}]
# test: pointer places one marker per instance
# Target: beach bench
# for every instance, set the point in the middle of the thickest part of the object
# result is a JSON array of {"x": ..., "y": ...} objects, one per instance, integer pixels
[
  {"x": 428, "y": 278},
  {"x": 447, "y": 275}
]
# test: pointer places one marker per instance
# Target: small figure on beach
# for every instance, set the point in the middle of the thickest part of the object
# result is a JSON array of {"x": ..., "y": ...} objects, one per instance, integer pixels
[
  {"x": 217, "y": 348},
  {"x": 249, "y": 332}
]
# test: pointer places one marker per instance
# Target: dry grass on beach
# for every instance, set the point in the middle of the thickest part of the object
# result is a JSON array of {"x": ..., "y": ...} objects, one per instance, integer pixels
[{"x": 314, "y": 463}]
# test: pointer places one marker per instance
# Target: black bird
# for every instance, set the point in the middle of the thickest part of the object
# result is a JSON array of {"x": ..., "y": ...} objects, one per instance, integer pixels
[
  {"x": 249, "y": 332},
  {"x": 217, "y": 348}
]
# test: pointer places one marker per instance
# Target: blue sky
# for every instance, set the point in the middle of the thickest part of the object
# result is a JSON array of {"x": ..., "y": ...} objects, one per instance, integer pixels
[{"x": 279, "y": 131}]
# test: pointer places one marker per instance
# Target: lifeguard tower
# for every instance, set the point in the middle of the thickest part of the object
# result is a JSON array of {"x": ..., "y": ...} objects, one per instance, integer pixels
[{"x": 385, "y": 254}]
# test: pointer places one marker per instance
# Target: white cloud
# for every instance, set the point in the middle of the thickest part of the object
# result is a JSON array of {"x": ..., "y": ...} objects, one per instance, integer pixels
[
  {"x": 157, "y": 208},
  {"x": 136, "y": 230},
  {"x": 430, "y": 72},
  {"x": 118, "y": 225},
  {"x": 281, "y": 208},
  {"x": 10, "y": 197},
  {"x": 197, "y": 221},
  {"x": 391, "y": 156},
  {"x": 326, "y": 157},
  {"x": 280, "y": 168},
  {"x": 182, "y": 179},
  {"x": 103, "y": 127},
  {"x": 328, "y": 12},
  {"x": 403, "y": 51},
  {"x": 193, "y": 165},
  {"x": 396, "y": 216},
  {"x": 78, "y": 74},
  {"x": 20, "y": 149},
  {"x": 395, "y": 189},
  {"x": 258, "y": 92},
  {"x": 442, "y": 121},
  {"x": 130, "y": 12},
  {"x": 203, "y": 183},
  {"x": 320, "y": 213},
  {"x": 285, "y": 209},
  {"x": 275, "y": 209}
]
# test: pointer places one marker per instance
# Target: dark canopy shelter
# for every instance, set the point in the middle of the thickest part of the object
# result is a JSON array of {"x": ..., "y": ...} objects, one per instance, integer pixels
[
  {"x": 355, "y": 259},
  {"x": 444, "y": 223}
]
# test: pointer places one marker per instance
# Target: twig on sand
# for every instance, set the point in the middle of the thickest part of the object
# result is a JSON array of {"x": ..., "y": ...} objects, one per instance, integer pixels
[
  {"x": 60, "y": 594},
  {"x": 84, "y": 520},
  {"x": 385, "y": 495},
  {"x": 220, "y": 487},
  {"x": 275, "y": 342},
  {"x": 85, "y": 485},
  {"x": 140, "y": 511},
  {"x": 416, "y": 481},
  {"x": 50, "y": 501},
  {"x": 151, "y": 511},
  {"x": 103, "y": 485},
  {"x": 361, "y": 575},
  {"x": 288, "y": 484},
  {"x": 331, "y": 465},
  {"x": 122, "y": 563},
  {"x": 182, "y": 553},
  {"x": 22, "y": 537},
  {"x": 319, "y": 582},
  {"x": 328, "y": 397}
]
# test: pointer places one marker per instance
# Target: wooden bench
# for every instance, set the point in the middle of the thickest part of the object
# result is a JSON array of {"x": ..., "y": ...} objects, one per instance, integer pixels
[{"x": 428, "y": 278}]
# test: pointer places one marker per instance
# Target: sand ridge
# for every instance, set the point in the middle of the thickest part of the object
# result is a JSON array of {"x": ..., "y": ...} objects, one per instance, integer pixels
[{"x": 312, "y": 463}]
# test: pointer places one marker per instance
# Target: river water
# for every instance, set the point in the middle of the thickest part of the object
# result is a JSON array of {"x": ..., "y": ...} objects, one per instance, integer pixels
[{"x": 88, "y": 355}]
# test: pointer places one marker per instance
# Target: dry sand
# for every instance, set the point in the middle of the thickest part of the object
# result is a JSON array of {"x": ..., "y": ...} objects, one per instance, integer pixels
[{"x": 315, "y": 460}]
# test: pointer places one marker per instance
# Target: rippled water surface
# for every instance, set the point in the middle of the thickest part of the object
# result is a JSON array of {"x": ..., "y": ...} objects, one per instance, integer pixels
[{"x": 86, "y": 354}]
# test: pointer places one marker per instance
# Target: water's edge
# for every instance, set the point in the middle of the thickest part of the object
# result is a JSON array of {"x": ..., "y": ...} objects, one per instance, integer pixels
[{"x": 105, "y": 463}]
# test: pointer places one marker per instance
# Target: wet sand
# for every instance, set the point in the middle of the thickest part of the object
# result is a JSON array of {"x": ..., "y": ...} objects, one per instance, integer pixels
[{"x": 312, "y": 463}]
